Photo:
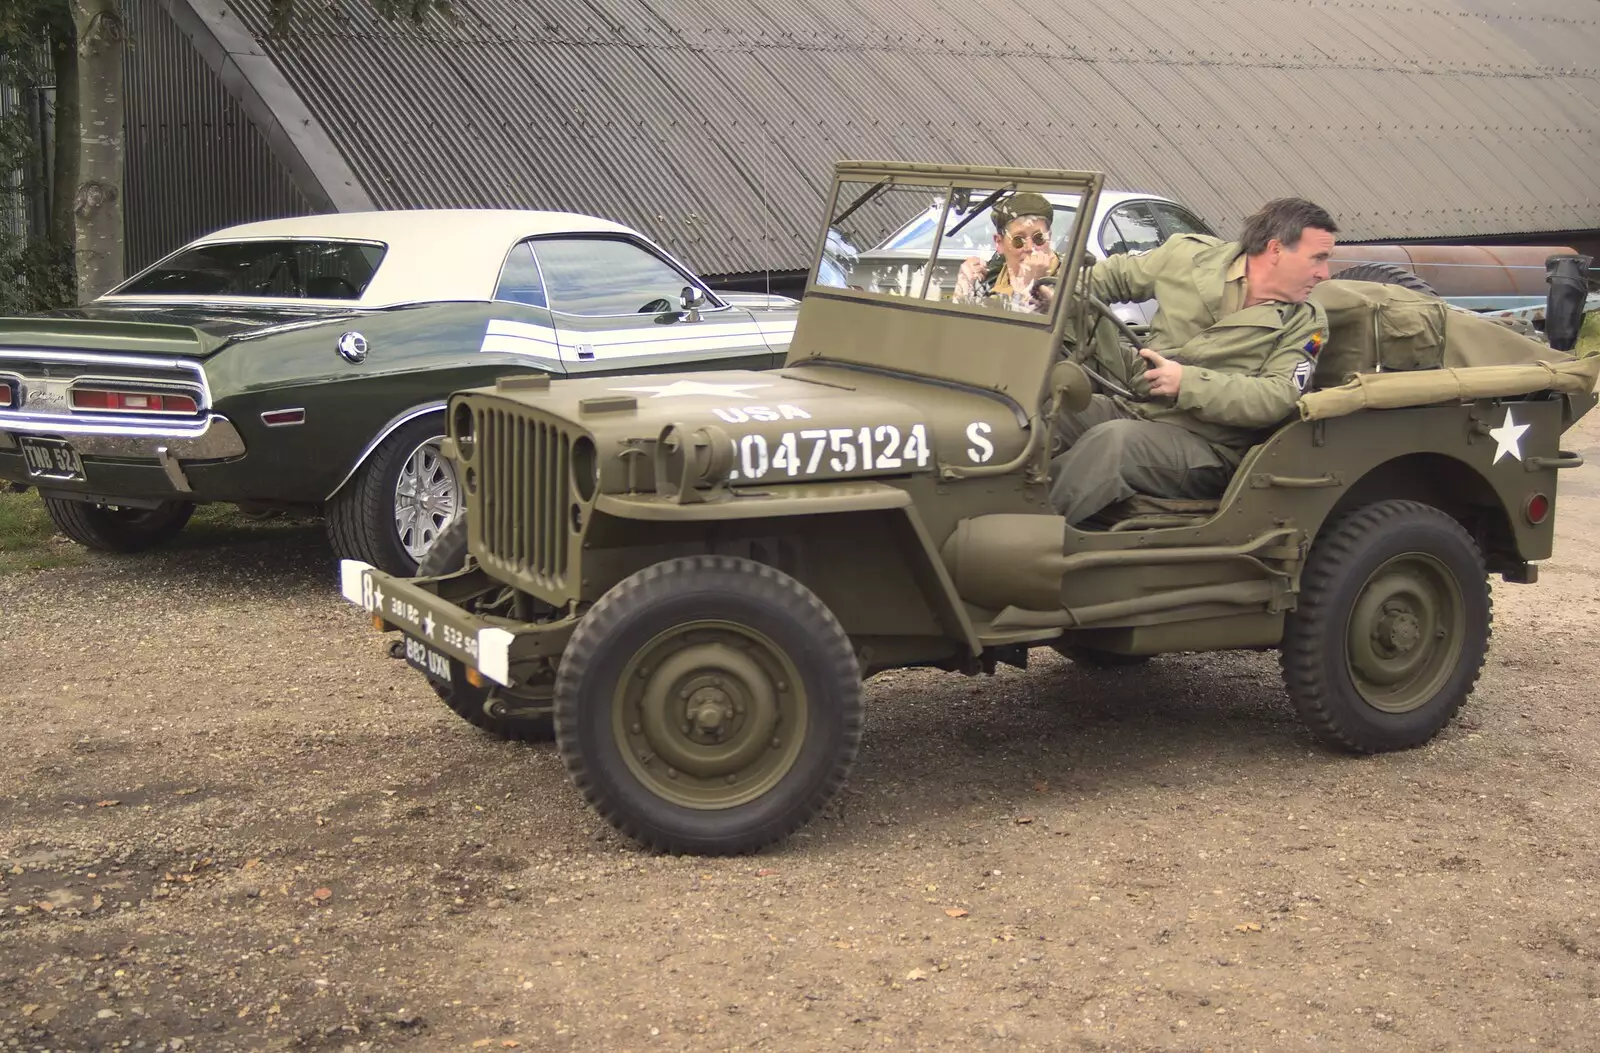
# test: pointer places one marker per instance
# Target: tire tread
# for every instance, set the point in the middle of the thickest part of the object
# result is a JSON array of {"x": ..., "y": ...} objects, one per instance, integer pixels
[{"x": 85, "y": 524}]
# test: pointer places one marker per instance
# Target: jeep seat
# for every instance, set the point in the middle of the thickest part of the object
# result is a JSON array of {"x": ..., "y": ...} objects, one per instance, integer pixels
[{"x": 1143, "y": 512}]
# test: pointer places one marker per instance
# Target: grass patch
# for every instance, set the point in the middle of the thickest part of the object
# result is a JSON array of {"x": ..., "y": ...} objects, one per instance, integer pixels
[{"x": 29, "y": 541}]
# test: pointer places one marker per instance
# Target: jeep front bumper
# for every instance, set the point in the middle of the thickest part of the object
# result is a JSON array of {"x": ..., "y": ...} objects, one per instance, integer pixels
[{"x": 495, "y": 647}]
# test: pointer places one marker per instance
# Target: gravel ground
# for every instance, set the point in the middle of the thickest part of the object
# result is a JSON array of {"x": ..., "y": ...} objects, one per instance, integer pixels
[{"x": 231, "y": 822}]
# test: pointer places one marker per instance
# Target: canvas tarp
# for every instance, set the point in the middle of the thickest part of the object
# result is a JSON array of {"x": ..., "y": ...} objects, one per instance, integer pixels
[{"x": 1424, "y": 387}]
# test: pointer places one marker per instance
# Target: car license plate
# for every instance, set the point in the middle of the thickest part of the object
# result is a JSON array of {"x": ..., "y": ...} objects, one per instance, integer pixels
[
  {"x": 434, "y": 664},
  {"x": 50, "y": 459}
]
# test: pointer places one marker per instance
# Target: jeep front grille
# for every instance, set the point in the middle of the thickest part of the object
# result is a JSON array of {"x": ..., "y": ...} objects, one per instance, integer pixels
[{"x": 524, "y": 484}]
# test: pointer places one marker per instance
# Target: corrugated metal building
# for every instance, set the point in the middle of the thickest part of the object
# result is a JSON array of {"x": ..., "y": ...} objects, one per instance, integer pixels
[{"x": 713, "y": 124}]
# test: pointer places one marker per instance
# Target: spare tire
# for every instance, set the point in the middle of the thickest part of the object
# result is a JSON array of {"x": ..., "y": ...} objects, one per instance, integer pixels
[{"x": 1386, "y": 274}]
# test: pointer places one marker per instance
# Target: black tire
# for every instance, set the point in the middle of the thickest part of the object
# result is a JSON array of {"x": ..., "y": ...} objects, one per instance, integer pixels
[
  {"x": 362, "y": 515},
  {"x": 1386, "y": 274},
  {"x": 710, "y": 634},
  {"x": 501, "y": 713},
  {"x": 112, "y": 528},
  {"x": 1094, "y": 658},
  {"x": 1391, "y": 628}
]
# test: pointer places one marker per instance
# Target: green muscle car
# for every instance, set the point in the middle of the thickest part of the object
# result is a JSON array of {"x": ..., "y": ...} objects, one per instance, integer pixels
[{"x": 303, "y": 364}]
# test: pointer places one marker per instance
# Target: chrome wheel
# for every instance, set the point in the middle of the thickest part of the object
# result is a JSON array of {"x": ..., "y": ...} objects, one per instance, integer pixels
[{"x": 427, "y": 497}]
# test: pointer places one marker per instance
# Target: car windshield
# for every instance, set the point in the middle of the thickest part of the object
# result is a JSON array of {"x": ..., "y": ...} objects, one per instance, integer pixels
[{"x": 274, "y": 269}]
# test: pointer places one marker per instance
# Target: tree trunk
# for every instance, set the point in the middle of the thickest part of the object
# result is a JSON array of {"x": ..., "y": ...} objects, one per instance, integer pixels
[
  {"x": 97, "y": 202},
  {"x": 64, "y": 145}
]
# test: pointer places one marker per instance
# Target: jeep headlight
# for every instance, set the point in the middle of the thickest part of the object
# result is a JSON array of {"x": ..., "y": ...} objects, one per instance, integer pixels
[{"x": 691, "y": 463}]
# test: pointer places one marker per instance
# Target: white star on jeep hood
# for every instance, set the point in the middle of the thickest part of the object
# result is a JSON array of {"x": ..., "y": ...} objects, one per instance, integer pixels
[
  {"x": 1508, "y": 438},
  {"x": 696, "y": 387}
]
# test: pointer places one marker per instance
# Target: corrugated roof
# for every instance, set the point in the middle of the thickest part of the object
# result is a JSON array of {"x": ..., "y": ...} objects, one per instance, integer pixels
[{"x": 713, "y": 124}]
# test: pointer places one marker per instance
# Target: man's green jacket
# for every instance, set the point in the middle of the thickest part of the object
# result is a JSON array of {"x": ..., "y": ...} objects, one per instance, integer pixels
[{"x": 1243, "y": 371}]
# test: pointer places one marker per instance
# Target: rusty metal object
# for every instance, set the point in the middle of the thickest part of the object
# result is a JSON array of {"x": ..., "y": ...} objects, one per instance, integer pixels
[{"x": 1461, "y": 270}]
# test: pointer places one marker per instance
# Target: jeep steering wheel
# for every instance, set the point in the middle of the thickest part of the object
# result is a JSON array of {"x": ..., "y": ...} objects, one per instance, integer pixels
[{"x": 1126, "y": 332}]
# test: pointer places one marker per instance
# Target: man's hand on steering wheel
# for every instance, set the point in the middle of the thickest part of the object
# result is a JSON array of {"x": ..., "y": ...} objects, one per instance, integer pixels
[{"x": 1164, "y": 376}]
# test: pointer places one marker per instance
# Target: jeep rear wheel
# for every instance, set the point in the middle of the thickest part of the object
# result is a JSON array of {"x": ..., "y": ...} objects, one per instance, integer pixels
[
  {"x": 1391, "y": 628},
  {"x": 117, "y": 528},
  {"x": 708, "y": 704},
  {"x": 520, "y": 716},
  {"x": 392, "y": 511}
]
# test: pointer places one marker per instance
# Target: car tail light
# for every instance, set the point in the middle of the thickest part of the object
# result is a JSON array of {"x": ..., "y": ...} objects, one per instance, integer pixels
[
  {"x": 8, "y": 394},
  {"x": 124, "y": 400},
  {"x": 1537, "y": 509}
]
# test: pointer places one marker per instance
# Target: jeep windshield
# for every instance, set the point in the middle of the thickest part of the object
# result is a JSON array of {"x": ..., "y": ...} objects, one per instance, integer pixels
[
  {"x": 916, "y": 237},
  {"x": 939, "y": 243},
  {"x": 267, "y": 269}
]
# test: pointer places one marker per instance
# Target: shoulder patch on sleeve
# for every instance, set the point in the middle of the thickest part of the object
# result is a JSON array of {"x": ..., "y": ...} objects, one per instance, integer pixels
[
  {"x": 1302, "y": 374},
  {"x": 1313, "y": 345}
]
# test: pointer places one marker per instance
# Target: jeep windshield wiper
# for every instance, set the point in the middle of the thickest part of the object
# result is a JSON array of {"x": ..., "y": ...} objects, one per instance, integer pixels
[
  {"x": 980, "y": 209},
  {"x": 871, "y": 192}
]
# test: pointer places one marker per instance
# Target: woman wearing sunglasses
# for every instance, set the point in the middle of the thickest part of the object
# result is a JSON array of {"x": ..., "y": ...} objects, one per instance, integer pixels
[{"x": 1023, "y": 255}]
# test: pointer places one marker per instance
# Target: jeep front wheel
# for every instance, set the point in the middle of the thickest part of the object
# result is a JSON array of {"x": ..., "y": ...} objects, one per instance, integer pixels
[
  {"x": 1391, "y": 628},
  {"x": 709, "y": 705}
]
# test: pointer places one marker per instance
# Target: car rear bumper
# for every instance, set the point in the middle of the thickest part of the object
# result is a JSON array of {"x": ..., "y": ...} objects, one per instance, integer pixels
[
  {"x": 124, "y": 458},
  {"x": 212, "y": 439}
]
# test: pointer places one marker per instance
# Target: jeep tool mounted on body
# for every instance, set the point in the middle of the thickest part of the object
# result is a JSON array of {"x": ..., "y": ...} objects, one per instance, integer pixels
[{"x": 684, "y": 579}]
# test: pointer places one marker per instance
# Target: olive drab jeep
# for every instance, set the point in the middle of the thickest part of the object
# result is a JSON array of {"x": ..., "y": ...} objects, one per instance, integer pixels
[{"x": 684, "y": 578}]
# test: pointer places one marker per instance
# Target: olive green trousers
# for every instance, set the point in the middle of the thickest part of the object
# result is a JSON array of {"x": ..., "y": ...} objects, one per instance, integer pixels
[{"x": 1111, "y": 455}]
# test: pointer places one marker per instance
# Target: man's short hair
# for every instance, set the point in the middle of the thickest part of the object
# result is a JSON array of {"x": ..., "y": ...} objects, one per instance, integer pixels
[{"x": 1285, "y": 219}]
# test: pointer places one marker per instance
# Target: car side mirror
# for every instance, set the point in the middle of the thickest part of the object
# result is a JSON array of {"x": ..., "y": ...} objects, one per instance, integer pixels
[{"x": 690, "y": 301}]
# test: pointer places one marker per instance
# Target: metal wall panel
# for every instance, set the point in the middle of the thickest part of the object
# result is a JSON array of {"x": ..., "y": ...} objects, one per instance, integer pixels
[
  {"x": 712, "y": 124},
  {"x": 194, "y": 160}
]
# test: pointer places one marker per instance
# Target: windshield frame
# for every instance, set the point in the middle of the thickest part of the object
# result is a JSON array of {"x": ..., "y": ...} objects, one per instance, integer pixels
[{"x": 1084, "y": 185}]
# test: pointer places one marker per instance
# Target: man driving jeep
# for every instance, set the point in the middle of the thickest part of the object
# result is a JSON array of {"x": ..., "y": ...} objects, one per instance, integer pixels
[
  {"x": 1231, "y": 349},
  {"x": 1023, "y": 254}
]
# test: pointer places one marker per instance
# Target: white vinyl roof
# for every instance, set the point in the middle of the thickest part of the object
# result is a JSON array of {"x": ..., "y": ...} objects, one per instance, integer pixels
[{"x": 432, "y": 254}]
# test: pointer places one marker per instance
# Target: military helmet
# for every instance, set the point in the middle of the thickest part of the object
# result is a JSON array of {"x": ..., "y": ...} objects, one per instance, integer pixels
[{"x": 1016, "y": 206}]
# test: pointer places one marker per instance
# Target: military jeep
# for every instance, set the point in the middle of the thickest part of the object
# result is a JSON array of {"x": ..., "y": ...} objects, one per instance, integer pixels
[{"x": 685, "y": 579}]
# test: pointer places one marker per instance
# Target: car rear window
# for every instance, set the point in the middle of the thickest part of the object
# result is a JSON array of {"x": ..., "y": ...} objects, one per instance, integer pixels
[{"x": 271, "y": 269}]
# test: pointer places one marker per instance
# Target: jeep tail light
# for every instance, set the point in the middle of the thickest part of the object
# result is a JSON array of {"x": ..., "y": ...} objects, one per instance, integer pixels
[
  {"x": 1537, "y": 509},
  {"x": 122, "y": 400}
]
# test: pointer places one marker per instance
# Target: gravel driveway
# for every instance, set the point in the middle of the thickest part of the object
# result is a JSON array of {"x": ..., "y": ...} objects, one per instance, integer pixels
[{"x": 230, "y": 821}]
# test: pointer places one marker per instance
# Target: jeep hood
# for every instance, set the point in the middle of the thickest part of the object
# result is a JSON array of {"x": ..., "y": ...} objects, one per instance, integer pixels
[{"x": 804, "y": 424}]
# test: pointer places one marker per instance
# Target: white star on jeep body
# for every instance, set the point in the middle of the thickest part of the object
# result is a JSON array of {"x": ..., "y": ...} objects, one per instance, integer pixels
[
  {"x": 377, "y": 599},
  {"x": 1508, "y": 438},
  {"x": 427, "y": 625},
  {"x": 696, "y": 387}
]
